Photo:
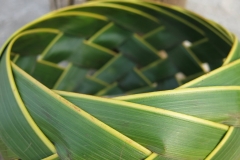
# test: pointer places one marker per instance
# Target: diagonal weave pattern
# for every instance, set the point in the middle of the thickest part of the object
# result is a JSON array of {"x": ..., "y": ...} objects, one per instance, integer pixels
[{"x": 67, "y": 79}]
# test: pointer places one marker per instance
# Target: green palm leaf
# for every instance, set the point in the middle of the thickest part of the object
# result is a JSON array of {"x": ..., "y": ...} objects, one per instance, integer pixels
[{"x": 118, "y": 79}]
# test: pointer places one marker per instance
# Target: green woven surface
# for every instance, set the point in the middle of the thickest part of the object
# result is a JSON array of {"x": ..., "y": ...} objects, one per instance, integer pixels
[{"x": 104, "y": 52}]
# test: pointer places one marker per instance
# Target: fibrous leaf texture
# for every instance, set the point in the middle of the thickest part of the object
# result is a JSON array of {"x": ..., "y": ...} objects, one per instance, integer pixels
[{"x": 119, "y": 79}]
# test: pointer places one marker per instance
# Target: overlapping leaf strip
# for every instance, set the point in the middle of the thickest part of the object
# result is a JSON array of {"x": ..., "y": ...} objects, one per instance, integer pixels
[{"x": 116, "y": 48}]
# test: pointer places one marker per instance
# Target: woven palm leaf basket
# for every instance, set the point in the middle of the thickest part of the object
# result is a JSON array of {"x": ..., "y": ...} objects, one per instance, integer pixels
[{"x": 118, "y": 79}]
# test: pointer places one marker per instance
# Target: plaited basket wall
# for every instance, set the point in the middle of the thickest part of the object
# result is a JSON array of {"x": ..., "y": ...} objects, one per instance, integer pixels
[{"x": 120, "y": 80}]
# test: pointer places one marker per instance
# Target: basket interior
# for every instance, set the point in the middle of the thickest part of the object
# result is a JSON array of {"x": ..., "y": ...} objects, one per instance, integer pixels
[{"x": 119, "y": 48}]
